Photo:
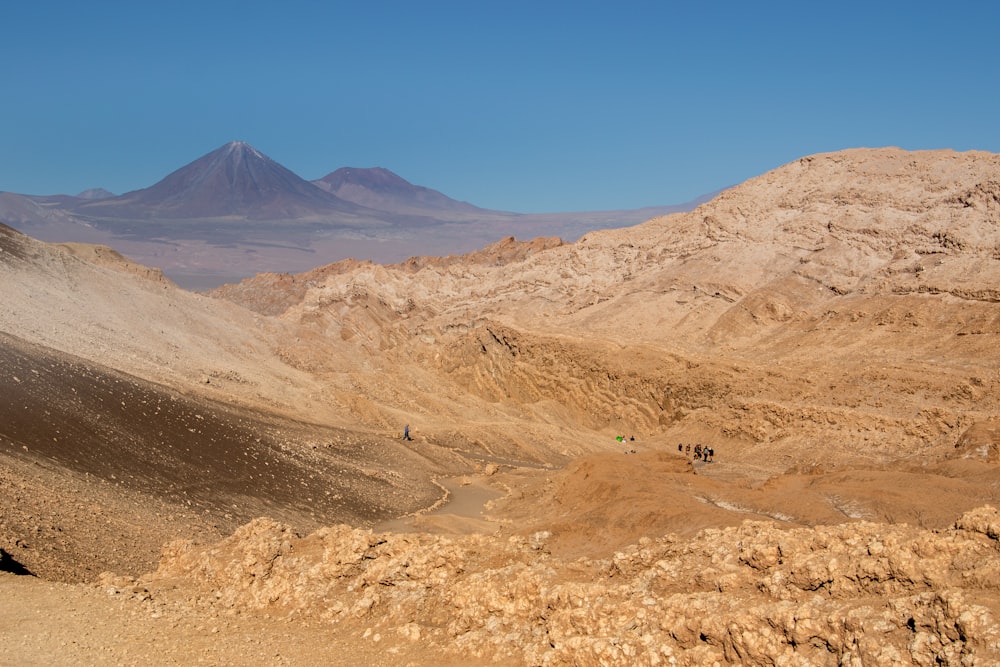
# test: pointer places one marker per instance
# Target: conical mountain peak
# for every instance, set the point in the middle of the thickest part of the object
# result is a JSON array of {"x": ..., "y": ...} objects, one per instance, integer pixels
[{"x": 234, "y": 180}]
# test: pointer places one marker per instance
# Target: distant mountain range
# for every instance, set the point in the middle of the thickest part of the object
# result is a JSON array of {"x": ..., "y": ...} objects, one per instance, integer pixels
[
  {"x": 238, "y": 182},
  {"x": 252, "y": 211},
  {"x": 234, "y": 181}
]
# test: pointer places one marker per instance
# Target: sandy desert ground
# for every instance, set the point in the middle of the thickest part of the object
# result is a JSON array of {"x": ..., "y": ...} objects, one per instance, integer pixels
[{"x": 221, "y": 479}]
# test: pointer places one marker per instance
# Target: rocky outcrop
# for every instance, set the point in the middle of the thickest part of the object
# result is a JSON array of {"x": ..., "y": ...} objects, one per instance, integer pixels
[
  {"x": 980, "y": 441},
  {"x": 755, "y": 594}
]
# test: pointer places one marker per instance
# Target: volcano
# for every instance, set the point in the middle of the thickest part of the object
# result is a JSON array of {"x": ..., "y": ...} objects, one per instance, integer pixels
[
  {"x": 233, "y": 181},
  {"x": 381, "y": 189}
]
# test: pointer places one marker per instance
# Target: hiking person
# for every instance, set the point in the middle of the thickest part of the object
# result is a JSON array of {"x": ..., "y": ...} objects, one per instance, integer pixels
[{"x": 406, "y": 432}]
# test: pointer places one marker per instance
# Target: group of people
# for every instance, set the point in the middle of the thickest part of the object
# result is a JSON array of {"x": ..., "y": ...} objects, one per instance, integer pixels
[
  {"x": 702, "y": 452},
  {"x": 621, "y": 439}
]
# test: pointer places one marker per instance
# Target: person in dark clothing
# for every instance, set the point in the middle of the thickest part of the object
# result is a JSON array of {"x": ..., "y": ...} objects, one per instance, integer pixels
[{"x": 406, "y": 432}]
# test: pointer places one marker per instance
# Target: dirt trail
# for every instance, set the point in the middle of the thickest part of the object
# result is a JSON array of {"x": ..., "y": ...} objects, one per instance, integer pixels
[{"x": 463, "y": 508}]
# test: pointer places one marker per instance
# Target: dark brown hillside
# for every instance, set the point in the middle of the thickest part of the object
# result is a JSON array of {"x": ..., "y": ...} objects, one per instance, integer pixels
[{"x": 209, "y": 465}]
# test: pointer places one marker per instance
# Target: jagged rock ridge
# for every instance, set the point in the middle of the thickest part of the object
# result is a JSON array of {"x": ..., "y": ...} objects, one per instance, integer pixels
[{"x": 754, "y": 594}]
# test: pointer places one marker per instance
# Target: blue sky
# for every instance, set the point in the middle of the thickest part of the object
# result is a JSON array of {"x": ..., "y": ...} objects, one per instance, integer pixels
[{"x": 523, "y": 106}]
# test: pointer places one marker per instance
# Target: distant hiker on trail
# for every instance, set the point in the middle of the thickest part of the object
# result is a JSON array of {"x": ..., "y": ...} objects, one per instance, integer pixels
[{"x": 406, "y": 432}]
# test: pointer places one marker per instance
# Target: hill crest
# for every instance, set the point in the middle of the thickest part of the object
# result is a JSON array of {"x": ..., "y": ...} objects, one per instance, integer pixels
[{"x": 381, "y": 189}]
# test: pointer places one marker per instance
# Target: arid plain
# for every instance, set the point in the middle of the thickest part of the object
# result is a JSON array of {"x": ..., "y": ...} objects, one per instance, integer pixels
[{"x": 220, "y": 478}]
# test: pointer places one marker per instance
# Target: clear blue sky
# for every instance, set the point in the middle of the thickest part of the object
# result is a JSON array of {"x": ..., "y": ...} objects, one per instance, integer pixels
[{"x": 525, "y": 106}]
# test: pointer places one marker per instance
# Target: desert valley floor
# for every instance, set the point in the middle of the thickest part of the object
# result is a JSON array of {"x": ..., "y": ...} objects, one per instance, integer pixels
[{"x": 221, "y": 477}]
